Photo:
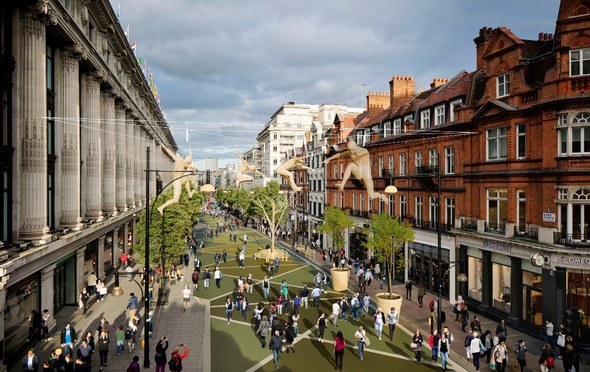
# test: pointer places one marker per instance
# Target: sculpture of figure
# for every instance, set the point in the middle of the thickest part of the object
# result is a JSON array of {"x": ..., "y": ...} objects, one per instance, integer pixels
[
  {"x": 359, "y": 167},
  {"x": 244, "y": 167},
  {"x": 284, "y": 170},
  {"x": 181, "y": 167}
]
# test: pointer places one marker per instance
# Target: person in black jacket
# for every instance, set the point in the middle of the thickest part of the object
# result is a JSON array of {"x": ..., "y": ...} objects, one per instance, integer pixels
[
  {"x": 290, "y": 337},
  {"x": 30, "y": 362},
  {"x": 68, "y": 337},
  {"x": 160, "y": 357},
  {"x": 276, "y": 344}
]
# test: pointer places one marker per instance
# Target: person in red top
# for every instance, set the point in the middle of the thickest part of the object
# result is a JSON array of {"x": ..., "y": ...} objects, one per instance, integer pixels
[
  {"x": 179, "y": 357},
  {"x": 123, "y": 259},
  {"x": 339, "y": 346}
]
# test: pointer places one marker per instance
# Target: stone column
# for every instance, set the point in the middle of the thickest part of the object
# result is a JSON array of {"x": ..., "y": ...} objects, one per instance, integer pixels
[
  {"x": 142, "y": 162},
  {"x": 108, "y": 153},
  {"x": 130, "y": 167},
  {"x": 137, "y": 163},
  {"x": 3, "y": 281},
  {"x": 154, "y": 165},
  {"x": 32, "y": 132},
  {"x": 100, "y": 256},
  {"x": 487, "y": 296},
  {"x": 126, "y": 233},
  {"x": 68, "y": 104},
  {"x": 120, "y": 159},
  {"x": 47, "y": 294},
  {"x": 80, "y": 280},
  {"x": 516, "y": 296},
  {"x": 92, "y": 149}
]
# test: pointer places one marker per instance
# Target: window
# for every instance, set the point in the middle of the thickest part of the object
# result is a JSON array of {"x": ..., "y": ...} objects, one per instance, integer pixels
[
  {"x": 402, "y": 164},
  {"x": 433, "y": 158},
  {"x": 497, "y": 144},
  {"x": 335, "y": 199},
  {"x": 453, "y": 104},
  {"x": 450, "y": 212},
  {"x": 520, "y": 141},
  {"x": 354, "y": 203},
  {"x": 362, "y": 202},
  {"x": 397, "y": 126},
  {"x": 449, "y": 160},
  {"x": 275, "y": 162},
  {"x": 287, "y": 125},
  {"x": 475, "y": 277},
  {"x": 387, "y": 129},
  {"x": 574, "y": 213},
  {"x": 275, "y": 149},
  {"x": 502, "y": 85},
  {"x": 335, "y": 170},
  {"x": 275, "y": 136},
  {"x": 439, "y": 115},
  {"x": 359, "y": 138},
  {"x": 497, "y": 207},
  {"x": 300, "y": 137},
  {"x": 50, "y": 123},
  {"x": 298, "y": 125},
  {"x": 580, "y": 62},
  {"x": 433, "y": 214},
  {"x": 367, "y": 136},
  {"x": 574, "y": 137},
  {"x": 425, "y": 119},
  {"x": 419, "y": 210},
  {"x": 403, "y": 206},
  {"x": 418, "y": 159},
  {"x": 391, "y": 204},
  {"x": 390, "y": 164},
  {"x": 381, "y": 166},
  {"x": 521, "y": 208}
]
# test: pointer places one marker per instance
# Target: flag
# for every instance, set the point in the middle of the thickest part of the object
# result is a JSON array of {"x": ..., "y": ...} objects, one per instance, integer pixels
[
  {"x": 133, "y": 47},
  {"x": 140, "y": 60},
  {"x": 127, "y": 33},
  {"x": 119, "y": 11}
]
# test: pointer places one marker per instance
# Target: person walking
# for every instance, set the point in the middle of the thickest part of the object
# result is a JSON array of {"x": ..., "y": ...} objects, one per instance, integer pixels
[
  {"x": 475, "y": 348},
  {"x": 339, "y": 346},
  {"x": 434, "y": 343},
  {"x": 379, "y": 320},
  {"x": 417, "y": 341},
  {"x": 409, "y": 286},
  {"x": 160, "y": 356},
  {"x": 315, "y": 296},
  {"x": 335, "y": 313},
  {"x": 195, "y": 279},
  {"x": 45, "y": 325},
  {"x": 83, "y": 300},
  {"x": 265, "y": 287},
  {"x": 229, "y": 307},
  {"x": 500, "y": 356},
  {"x": 276, "y": 344},
  {"x": 217, "y": 275},
  {"x": 361, "y": 340},
  {"x": 391, "y": 319},
  {"x": 289, "y": 337},
  {"x": 521, "y": 354},
  {"x": 132, "y": 306},
  {"x": 501, "y": 329},
  {"x": 186, "y": 297},
  {"x": 304, "y": 294},
  {"x": 177, "y": 357},
  {"x": 130, "y": 336},
  {"x": 421, "y": 293},
  {"x": 30, "y": 362},
  {"x": 444, "y": 348},
  {"x": 91, "y": 282},
  {"x": 322, "y": 324},
  {"x": 103, "y": 347},
  {"x": 68, "y": 337},
  {"x": 262, "y": 330}
]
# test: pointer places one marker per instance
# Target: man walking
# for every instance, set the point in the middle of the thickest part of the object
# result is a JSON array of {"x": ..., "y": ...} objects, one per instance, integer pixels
[
  {"x": 132, "y": 306},
  {"x": 276, "y": 344},
  {"x": 391, "y": 319},
  {"x": 91, "y": 280}
]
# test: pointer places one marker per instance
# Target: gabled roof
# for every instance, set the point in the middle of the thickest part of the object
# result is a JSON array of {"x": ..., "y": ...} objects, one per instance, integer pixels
[
  {"x": 503, "y": 39},
  {"x": 491, "y": 105}
]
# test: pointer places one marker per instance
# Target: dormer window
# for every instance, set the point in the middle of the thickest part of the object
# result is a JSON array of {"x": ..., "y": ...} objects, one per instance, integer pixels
[
  {"x": 397, "y": 126},
  {"x": 502, "y": 86},
  {"x": 580, "y": 62},
  {"x": 425, "y": 119},
  {"x": 387, "y": 129}
]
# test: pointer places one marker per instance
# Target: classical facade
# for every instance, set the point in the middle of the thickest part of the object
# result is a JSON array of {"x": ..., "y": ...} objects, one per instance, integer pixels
[
  {"x": 76, "y": 117},
  {"x": 506, "y": 148}
]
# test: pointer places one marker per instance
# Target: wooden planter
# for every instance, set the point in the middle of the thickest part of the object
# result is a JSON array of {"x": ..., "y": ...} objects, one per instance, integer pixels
[
  {"x": 340, "y": 279},
  {"x": 385, "y": 302}
]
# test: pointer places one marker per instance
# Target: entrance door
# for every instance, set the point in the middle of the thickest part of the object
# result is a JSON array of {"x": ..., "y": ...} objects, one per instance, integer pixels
[
  {"x": 532, "y": 303},
  {"x": 59, "y": 287}
]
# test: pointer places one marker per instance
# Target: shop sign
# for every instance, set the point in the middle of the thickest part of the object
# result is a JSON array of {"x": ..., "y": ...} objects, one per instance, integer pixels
[
  {"x": 573, "y": 260},
  {"x": 496, "y": 245},
  {"x": 549, "y": 217}
]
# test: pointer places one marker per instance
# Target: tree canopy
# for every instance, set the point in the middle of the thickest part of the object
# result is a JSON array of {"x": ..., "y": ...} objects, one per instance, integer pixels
[{"x": 336, "y": 221}]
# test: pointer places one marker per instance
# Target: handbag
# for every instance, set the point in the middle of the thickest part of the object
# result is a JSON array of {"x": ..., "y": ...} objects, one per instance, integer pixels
[
  {"x": 492, "y": 366},
  {"x": 561, "y": 340},
  {"x": 414, "y": 345}
]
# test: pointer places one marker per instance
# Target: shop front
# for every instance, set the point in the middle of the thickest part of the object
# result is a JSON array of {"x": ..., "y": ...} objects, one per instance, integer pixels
[
  {"x": 424, "y": 265},
  {"x": 22, "y": 298}
]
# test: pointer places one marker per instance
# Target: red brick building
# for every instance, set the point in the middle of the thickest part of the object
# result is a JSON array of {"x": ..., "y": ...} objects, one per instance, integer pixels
[{"x": 510, "y": 143}]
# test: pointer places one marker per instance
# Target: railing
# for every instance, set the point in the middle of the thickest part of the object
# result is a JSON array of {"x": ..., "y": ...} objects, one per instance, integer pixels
[
  {"x": 526, "y": 232},
  {"x": 571, "y": 240},
  {"x": 469, "y": 223},
  {"x": 427, "y": 225},
  {"x": 359, "y": 213},
  {"x": 427, "y": 169},
  {"x": 495, "y": 228}
]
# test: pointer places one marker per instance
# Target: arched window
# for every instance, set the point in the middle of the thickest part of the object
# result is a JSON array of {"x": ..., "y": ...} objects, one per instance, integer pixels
[{"x": 574, "y": 135}]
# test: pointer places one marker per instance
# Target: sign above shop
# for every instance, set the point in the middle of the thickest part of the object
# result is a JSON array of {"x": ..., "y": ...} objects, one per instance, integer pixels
[
  {"x": 548, "y": 217},
  {"x": 496, "y": 245},
  {"x": 573, "y": 260}
]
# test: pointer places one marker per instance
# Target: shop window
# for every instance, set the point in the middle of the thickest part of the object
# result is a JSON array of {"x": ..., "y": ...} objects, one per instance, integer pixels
[
  {"x": 474, "y": 278},
  {"x": 532, "y": 298},
  {"x": 501, "y": 287},
  {"x": 21, "y": 299},
  {"x": 578, "y": 293}
]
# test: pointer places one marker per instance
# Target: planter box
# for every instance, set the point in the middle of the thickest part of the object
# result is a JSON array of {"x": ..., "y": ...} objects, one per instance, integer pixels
[
  {"x": 385, "y": 302},
  {"x": 340, "y": 279}
]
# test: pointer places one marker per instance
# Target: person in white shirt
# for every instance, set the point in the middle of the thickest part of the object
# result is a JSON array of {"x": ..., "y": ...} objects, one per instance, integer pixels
[
  {"x": 391, "y": 319},
  {"x": 242, "y": 258},
  {"x": 217, "y": 276},
  {"x": 315, "y": 296},
  {"x": 335, "y": 313},
  {"x": 475, "y": 348},
  {"x": 361, "y": 340},
  {"x": 186, "y": 297}
]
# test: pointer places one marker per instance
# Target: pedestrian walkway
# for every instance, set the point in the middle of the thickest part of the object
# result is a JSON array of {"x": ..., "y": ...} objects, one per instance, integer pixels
[{"x": 190, "y": 328}]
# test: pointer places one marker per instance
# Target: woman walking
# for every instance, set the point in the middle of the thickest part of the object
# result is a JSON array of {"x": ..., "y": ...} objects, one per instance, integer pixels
[
  {"x": 229, "y": 307},
  {"x": 103, "y": 347},
  {"x": 361, "y": 341},
  {"x": 434, "y": 342},
  {"x": 500, "y": 356},
  {"x": 262, "y": 330},
  {"x": 339, "y": 346},
  {"x": 379, "y": 320},
  {"x": 417, "y": 341},
  {"x": 321, "y": 323},
  {"x": 444, "y": 347}
]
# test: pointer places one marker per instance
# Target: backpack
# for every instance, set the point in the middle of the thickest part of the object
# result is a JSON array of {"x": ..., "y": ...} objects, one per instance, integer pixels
[
  {"x": 550, "y": 361},
  {"x": 128, "y": 333},
  {"x": 431, "y": 305},
  {"x": 173, "y": 364},
  {"x": 195, "y": 276}
]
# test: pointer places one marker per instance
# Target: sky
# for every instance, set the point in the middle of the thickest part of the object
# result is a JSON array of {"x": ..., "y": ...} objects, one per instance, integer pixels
[{"x": 223, "y": 67}]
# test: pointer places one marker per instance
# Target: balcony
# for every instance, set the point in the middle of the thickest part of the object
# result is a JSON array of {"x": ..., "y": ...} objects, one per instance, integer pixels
[
  {"x": 427, "y": 225},
  {"x": 495, "y": 228},
  {"x": 571, "y": 240},
  {"x": 469, "y": 223},
  {"x": 359, "y": 213},
  {"x": 526, "y": 232},
  {"x": 424, "y": 170}
]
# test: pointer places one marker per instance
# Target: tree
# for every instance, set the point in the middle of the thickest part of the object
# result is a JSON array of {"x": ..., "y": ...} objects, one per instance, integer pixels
[
  {"x": 388, "y": 236},
  {"x": 168, "y": 232},
  {"x": 271, "y": 205},
  {"x": 336, "y": 221}
]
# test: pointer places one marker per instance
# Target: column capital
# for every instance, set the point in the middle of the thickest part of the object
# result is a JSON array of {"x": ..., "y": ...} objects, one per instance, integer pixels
[
  {"x": 80, "y": 252},
  {"x": 47, "y": 272},
  {"x": 79, "y": 51}
]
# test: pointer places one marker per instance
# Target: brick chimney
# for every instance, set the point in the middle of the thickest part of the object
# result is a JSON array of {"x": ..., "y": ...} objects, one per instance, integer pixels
[
  {"x": 486, "y": 35},
  {"x": 377, "y": 101},
  {"x": 401, "y": 90},
  {"x": 437, "y": 82}
]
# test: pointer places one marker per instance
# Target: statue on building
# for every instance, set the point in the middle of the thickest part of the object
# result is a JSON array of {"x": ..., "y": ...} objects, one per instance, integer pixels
[
  {"x": 359, "y": 167},
  {"x": 284, "y": 170},
  {"x": 243, "y": 169},
  {"x": 182, "y": 167}
]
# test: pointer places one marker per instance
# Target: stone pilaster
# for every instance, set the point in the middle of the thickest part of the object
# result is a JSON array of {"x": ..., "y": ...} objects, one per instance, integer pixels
[
  {"x": 130, "y": 159},
  {"x": 3, "y": 282},
  {"x": 120, "y": 159},
  {"x": 126, "y": 233},
  {"x": 153, "y": 165},
  {"x": 100, "y": 256},
  {"x": 142, "y": 162},
  {"x": 47, "y": 292},
  {"x": 137, "y": 162},
  {"x": 91, "y": 146},
  {"x": 32, "y": 133},
  {"x": 80, "y": 280},
  {"x": 68, "y": 103},
  {"x": 108, "y": 153}
]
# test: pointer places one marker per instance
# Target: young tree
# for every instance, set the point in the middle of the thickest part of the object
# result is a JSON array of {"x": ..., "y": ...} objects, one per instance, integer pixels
[
  {"x": 388, "y": 236},
  {"x": 336, "y": 221},
  {"x": 271, "y": 205}
]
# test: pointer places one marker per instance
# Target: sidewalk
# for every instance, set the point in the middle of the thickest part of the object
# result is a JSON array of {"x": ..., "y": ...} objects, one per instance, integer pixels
[{"x": 191, "y": 327}]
